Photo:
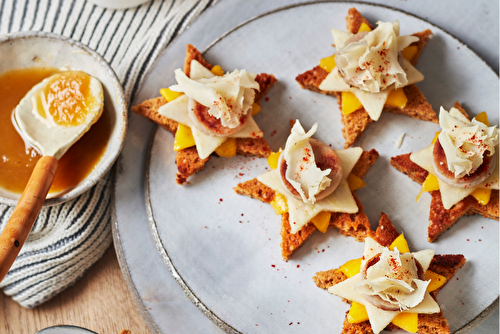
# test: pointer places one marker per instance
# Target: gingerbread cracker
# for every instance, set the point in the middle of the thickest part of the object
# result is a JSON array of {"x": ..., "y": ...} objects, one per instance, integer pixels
[
  {"x": 187, "y": 160},
  {"x": 355, "y": 225},
  {"x": 441, "y": 219},
  {"x": 358, "y": 121},
  {"x": 444, "y": 265}
]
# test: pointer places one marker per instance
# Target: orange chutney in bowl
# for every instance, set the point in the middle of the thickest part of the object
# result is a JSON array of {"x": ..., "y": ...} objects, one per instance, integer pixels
[{"x": 18, "y": 158}]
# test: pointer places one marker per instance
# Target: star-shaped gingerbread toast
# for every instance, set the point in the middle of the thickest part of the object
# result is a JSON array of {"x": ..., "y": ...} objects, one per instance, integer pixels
[
  {"x": 356, "y": 122},
  {"x": 444, "y": 265},
  {"x": 354, "y": 224},
  {"x": 188, "y": 160},
  {"x": 441, "y": 219}
]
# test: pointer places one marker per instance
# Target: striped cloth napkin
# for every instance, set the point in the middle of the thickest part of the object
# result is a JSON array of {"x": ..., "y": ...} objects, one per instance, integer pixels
[{"x": 68, "y": 238}]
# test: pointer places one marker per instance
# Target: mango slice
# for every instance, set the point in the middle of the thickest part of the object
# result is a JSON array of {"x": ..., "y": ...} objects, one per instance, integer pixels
[
  {"x": 406, "y": 321},
  {"x": 255, "y": 109},
  {"x": 351, "y": 267},
  {"x": 322, "y": 220},
  {"x": 350, "y": 103},
  {"x": 397, "y": 98},
  {"x": 430, "y": 184},
  {"x": 217, "y": 70},
  {"x": 409, "y": 52},
  {"x": 328, "y": 63},
  {"x": 227, "y": 149},
  {"x": 357, "y": 313},
  {"x": 401, "y": 244},
  {"x": 482, "y": 195},
  {"x": 169, "y": 95},
  {"x": 364, "y": 27},
  {"x": 279, "y": 204},
  {"x": 437, "y": 280},
  {"x": 183, "y": 138},
  {"x": 355, "y": 182},
  {"x": 436, "y": 137},
  {"x": 273, "y": 159},
  {"x": 483, "y": 118}
]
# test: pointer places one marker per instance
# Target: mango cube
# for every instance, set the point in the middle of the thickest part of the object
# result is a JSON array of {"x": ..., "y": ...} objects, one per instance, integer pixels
[
  {"x": 409, "y": 52},
  {"x": 183, "y": 138},
  {"x": 357, "y": 313},
  {"x": 355, "y": 182},
  {"x": 406, "y": 321},
  {"x": 322, "y": 220},
  {"x": 351, "y": 267},
  {"x": 169, "y": 95},
  {"x": 430, "y": 184},
  {"x": 350, "y": 103},
  {"x": 397, "y": 98},
  {"x": 364, "y": 27},
  {"x": 255, "y": 109},
  {"x": 279, "y": 204},
  {"x": 401, "y": 244},
  {"x": 217, "y": 70},
  {"x": 483, "y": 118},
  {"x": 328, "y": 63},
  {"x": 227, "y": 149},
  {"x": 437, "y": 280},
  {"x": 482, "y": 195},
  {"x": 273, "y": 159}
]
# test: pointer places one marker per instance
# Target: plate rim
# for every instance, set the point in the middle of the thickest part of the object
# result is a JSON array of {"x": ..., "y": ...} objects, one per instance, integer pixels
[{"x": 467, "y": 328}]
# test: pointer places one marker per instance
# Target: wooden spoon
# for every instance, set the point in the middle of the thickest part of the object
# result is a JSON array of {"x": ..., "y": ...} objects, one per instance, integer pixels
[{"x": 52, "y": 142}]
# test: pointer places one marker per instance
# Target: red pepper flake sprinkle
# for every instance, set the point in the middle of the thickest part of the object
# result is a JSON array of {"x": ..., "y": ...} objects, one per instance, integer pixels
[
  {"x": 267, "y": 99},
  {"x": 272, "y": 265},
  {"x": 298, "y": 266},
  {"x": 467, "y": 239}
]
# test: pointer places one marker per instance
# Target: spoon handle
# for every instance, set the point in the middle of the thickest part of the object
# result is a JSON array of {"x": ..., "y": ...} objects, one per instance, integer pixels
[{"x": 20, "y": 223}]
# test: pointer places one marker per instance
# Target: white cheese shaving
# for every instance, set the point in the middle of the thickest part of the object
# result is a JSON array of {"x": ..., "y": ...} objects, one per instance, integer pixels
[
  {"x": 361, "y": 60},
  {"x": 399, "y": 142},
  {"x": 465, "y": 142},
  {"x": 302, "y": 172},
  {"x": 228, "y": 97},
  {"x": 371, "y": 64}
]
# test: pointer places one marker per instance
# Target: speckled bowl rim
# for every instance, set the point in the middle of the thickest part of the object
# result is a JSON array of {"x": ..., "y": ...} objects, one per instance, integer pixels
[{"x": 121, "y": 112}]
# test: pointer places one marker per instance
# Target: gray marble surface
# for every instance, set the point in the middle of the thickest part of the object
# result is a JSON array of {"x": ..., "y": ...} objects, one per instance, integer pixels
[{"x": 168, "y": 309}]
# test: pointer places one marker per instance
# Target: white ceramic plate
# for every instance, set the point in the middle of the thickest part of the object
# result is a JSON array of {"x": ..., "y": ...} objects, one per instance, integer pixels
[{"x": 224, "y": 249}]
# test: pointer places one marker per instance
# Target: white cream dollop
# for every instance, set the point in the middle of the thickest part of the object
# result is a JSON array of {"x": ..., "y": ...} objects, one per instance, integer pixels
[
  {"x": 228, "y": 97},
  {"x": 394, "y": 278},
  {"x": 302, "y": 171},
  {"x": 465, "y": 142},
  {"x": 371, "y": 63}
]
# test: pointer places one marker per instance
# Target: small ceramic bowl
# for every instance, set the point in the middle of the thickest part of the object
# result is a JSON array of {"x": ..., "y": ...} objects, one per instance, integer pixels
[{"x": 41, "y": 49}]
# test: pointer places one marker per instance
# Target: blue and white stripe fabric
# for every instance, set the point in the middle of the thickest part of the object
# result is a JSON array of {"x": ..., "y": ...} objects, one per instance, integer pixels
[{"x": 68, "y": 238}]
